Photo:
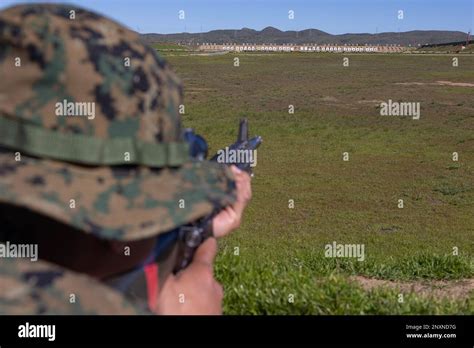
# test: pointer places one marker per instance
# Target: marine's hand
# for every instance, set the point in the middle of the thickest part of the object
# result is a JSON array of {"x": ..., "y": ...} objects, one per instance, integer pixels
[
  {"x": 194, "y": 290},
  {"x": 230, "y": 217}
]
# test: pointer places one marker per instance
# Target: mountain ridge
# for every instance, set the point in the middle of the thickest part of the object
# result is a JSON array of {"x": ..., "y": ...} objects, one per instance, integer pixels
[{"x": 272, "y": 35}]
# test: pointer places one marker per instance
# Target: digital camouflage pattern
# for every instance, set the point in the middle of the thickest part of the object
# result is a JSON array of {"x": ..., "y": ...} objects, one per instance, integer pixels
[
  {"x": 83, "y": 60},
  {"x": 30, "y": 288}
]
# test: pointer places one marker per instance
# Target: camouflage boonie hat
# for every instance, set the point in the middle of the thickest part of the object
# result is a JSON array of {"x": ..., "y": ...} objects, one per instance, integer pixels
[
  {"x": 122, "y": 169},
  {"x": 29, "y": 288}
]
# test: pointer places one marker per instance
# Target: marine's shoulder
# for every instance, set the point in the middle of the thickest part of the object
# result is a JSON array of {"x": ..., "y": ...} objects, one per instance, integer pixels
[{"x": 39, "y": 287}]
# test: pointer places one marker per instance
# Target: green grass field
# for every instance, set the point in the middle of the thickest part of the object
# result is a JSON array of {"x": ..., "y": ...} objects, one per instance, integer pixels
[{"x": 280, "y": 267}]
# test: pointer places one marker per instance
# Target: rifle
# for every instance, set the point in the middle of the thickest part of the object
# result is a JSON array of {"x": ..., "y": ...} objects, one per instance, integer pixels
[{"x": 244, "y": 157}]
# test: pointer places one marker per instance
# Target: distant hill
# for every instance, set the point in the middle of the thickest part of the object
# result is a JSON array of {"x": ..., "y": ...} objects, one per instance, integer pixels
[{"x": 276, "y": 36}]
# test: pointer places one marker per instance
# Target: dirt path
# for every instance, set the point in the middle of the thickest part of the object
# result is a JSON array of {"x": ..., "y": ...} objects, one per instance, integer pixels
[
  {"x": 437, "y": 83},
  {"x": 454, "y": 289}
]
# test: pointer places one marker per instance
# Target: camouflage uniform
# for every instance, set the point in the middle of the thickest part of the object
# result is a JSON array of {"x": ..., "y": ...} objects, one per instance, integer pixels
[
  {"x": 41, "y": 288},
  {"x": 121, "y": 174}
]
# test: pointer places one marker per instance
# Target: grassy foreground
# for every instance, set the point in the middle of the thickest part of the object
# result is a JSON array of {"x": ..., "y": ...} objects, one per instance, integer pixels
[{"x": 275, "y": 263}]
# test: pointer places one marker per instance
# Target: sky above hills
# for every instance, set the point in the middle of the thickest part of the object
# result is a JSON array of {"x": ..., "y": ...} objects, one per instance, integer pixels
[{"x": 332, "y": 16}]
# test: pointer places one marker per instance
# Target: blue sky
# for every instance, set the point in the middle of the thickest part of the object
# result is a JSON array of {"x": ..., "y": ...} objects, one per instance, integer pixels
[{"x": 333, "y": 16}]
